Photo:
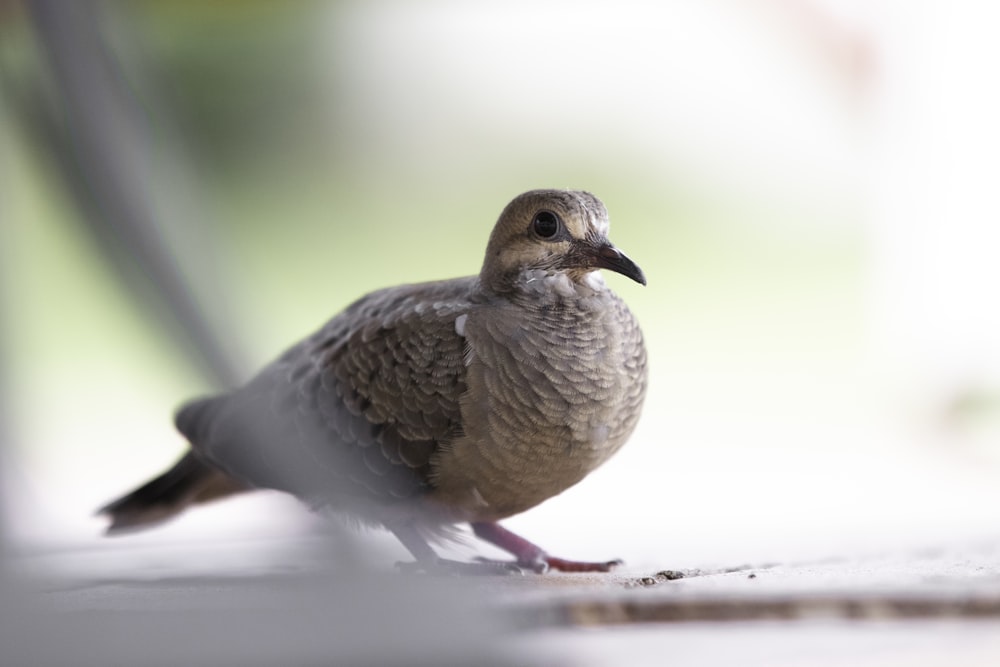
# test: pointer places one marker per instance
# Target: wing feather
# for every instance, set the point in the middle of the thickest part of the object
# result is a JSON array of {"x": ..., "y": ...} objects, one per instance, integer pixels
[{"x": 354, "y": 412}]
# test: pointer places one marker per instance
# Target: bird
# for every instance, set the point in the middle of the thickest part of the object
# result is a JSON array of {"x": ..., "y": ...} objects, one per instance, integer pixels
[{"x": 423, "y": 407}]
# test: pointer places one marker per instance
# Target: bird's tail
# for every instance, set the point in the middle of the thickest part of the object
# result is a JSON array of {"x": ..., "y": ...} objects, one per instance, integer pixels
[{"x": 190, "y": 481}]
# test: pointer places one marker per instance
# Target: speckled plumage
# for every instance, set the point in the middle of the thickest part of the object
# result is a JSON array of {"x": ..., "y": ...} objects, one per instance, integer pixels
[{"x": 464, "y": 400}]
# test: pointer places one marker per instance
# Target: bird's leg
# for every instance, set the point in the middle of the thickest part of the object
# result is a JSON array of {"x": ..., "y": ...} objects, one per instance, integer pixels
[
  {"x": 531, "y": 556},
  {"x": 428, "y": 561}
]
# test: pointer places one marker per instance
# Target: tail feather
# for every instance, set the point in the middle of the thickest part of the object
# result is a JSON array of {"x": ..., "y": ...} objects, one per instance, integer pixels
[{"x": 190, "y": 481}]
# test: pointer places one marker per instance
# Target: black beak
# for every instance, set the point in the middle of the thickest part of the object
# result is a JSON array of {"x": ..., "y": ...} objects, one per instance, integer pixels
[{"x": 606, "y": 256}]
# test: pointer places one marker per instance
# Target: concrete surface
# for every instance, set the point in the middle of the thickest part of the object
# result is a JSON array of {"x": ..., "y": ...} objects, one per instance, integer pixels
[{"x": 220, "y": 603}]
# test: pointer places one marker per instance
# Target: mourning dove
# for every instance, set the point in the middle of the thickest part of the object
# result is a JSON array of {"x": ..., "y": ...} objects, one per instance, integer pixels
[{"x": 424, "y": 406}]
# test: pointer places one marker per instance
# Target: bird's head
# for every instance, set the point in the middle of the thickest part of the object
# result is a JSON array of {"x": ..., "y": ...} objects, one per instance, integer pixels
[{"x": 553, "y": 232}]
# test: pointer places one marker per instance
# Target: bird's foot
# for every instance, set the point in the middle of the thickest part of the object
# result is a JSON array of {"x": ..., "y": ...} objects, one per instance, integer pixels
[
  {"x": 460, "y": 568},
  {"x": 530, "y": 556}
]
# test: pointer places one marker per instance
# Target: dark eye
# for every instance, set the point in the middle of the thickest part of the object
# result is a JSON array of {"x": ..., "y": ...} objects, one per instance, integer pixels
[{"x": 545, "y": 224}]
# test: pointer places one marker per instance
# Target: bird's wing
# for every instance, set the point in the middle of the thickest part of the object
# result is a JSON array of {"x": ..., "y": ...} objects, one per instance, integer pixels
[{"x": 355, "y": 411}]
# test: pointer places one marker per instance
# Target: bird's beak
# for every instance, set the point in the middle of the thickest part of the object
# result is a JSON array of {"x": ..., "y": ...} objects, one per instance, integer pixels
[{"x": 606, "y": 256}]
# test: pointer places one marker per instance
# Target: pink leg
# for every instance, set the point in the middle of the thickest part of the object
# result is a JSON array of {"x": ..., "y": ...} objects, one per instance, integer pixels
[{"x": 531, "y": 556}]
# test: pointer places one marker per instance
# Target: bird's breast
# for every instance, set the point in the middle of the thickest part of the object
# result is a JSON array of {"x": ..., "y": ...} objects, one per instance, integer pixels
[{"x": 553, "y": 391}]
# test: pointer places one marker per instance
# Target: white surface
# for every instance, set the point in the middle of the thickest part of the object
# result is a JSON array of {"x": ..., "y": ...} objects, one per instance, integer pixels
[
  {"x": 244, "y": 601},
  {"x": 820, "y": 644}
]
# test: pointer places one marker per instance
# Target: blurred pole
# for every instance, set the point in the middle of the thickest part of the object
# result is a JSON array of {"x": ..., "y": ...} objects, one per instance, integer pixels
[
  {"x": 5, "y": 250},
  {"x": 134, "y": 210}
]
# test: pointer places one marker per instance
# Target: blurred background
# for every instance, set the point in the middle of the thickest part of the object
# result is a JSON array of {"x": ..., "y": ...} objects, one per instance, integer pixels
[{"x": 186, "y": 188}]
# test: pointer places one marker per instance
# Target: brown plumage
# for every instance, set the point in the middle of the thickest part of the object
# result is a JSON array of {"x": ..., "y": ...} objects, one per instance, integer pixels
[{"x": 422, "y": 406}]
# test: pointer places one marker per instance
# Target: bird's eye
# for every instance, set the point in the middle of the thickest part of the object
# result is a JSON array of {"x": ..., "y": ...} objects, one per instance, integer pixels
[{"x": 545, "y": 224}]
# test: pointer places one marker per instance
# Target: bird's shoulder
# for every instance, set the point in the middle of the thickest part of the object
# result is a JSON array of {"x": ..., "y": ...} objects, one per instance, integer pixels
[
  {"x": 393, "y": 356},
  {"x": 425, "y": 309}
]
